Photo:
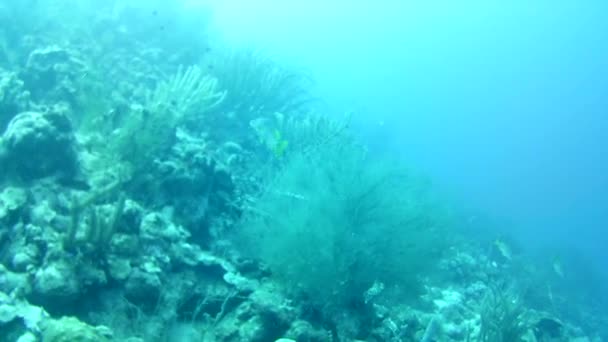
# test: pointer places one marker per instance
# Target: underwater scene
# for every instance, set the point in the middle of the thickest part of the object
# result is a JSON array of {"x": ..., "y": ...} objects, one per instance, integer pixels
[{"x": 303, "y": 171}]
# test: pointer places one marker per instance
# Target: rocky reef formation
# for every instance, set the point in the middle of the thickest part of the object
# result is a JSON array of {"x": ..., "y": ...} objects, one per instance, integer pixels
[{"x": 153, "y": 192}]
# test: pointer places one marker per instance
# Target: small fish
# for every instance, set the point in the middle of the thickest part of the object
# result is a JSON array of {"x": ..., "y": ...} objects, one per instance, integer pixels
[
  {"x": 557, "y": 267},
  {"x": 504, "y": 249},
  {"x": 279, "y": 145},
  {"x": 291, "y": 195}
]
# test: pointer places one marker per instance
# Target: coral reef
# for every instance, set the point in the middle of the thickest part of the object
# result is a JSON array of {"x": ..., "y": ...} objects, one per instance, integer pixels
[
  {"x": 14, "y": 99},
  {"x": 154, "y": 189},
  {"x": 40, "y": 144},
  {"x": 335, "y": 222}
]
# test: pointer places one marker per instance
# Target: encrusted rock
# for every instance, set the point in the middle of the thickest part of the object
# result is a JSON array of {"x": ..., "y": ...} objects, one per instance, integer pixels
[
  {"x": 132, "y": 216},
  {"x": 124, "y": 244},
  {"x": 142, "y": 287},
  {"x": 40, "y": 144},
  {"x": 26, "y": 258},
  {"x": 43, "y": 214},
  {"x": 119, "y": 268},
  {"x": 304, "y": 331},
  {"x": 56, "y": 282},
  {"x": 11, "y": 281},
  {"x": 91, "y": 276},
  {"x": 19, "y": 320},
  {"x": 13, "y": 97},
  {"x": 12, "y": 200},
  {"x": 155, "y": 227},
  {"x": 71, "y": 329},
  {"x": 52, "y": 72}
]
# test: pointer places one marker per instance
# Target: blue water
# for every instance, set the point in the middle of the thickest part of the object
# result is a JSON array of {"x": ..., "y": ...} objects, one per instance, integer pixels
[{"x": 503, "y": 104}]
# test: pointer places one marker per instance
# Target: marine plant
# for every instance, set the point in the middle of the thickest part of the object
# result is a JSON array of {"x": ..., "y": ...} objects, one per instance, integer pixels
[
  {"x": 150, "y": 129},
  {"x": 256, "y": 84},
  {"x": 187, "y": 91},
  {"x": 335, "y": 221},
  {"x": 280, "y": 144},
  {"x": 503, "y": 315},
  {"x": 283, "y": 134},
  {"x": 101, "y": 224}
]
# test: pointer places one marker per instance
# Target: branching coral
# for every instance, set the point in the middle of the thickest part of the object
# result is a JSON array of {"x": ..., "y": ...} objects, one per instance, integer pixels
[
  {"x": 255, "y": 84},
  {"x": 335, "y": 221},
  {"x": 100, "y": 228},
  {"x": 150, "y": 129},
  {"x": 503, "y": 316},
  {"x": 283, "y": 134},
  {"x": 188, "y": 91}
]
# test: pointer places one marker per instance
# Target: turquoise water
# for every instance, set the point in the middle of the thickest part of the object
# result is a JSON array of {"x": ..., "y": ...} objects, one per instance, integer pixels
[
  {"x": 502, "y": 102},
  {"x": 315, "y": 171}
]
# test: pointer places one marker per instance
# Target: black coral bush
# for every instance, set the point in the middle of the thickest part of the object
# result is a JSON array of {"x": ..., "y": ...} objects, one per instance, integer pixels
[{"x": 336, "y": 221}]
